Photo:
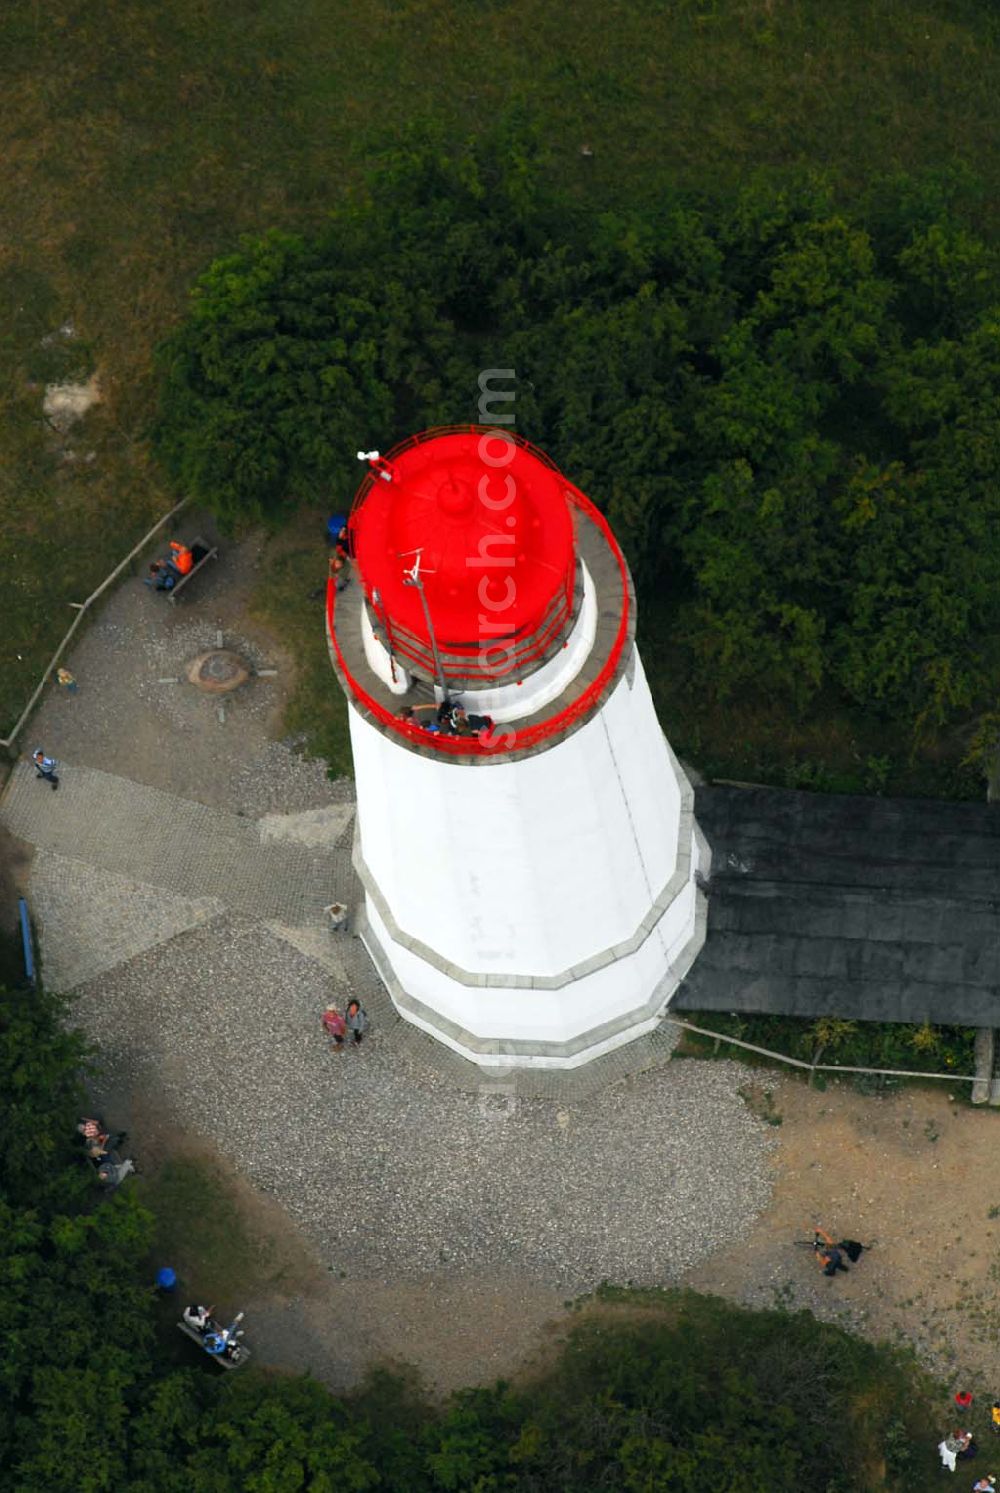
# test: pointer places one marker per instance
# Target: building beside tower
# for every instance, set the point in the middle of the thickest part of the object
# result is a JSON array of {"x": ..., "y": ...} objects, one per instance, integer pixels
[{"x": 529, "y": 867}]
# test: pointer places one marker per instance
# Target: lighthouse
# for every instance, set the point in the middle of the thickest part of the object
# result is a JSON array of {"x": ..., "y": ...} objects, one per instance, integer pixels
[{"x": 525, "y": 837}]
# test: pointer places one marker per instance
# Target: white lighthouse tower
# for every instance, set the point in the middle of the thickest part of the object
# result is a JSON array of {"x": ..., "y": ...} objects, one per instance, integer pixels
[{"x": 529, "y": 868}]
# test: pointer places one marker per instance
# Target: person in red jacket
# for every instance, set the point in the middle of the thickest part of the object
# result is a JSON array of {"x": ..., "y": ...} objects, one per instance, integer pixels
[
  {"x": 182, "y": 559},
  {"x": 335, "y": 1026}
]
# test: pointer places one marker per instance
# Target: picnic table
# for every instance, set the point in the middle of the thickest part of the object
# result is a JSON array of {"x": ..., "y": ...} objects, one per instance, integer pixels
[{"x": 238, "y": 1359}]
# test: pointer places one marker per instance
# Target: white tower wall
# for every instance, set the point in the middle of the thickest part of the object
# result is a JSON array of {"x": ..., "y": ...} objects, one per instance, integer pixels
[{"x": 539, "y": 910}]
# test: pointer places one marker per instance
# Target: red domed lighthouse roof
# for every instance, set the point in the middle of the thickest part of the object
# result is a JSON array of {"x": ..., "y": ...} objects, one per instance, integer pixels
[{"x": 489, "y": 525}]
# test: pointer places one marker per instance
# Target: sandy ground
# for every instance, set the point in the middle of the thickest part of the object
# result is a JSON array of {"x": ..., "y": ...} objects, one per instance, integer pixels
[
  {"x": 916, "y": 1172},
  {"x": 455, "y": 1329}
]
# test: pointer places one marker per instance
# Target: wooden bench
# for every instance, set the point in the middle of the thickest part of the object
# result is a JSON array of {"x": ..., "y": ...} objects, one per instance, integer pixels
[
  {"x": 202, "y": 552},
  {"x": 220, "y": 1358}
]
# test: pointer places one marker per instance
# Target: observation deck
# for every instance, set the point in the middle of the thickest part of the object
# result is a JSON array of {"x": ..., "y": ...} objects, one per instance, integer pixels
[{"x": 594, "y": 547}]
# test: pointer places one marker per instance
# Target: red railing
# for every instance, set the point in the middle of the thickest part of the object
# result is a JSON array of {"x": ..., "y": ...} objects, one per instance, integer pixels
[
  {"x": 503, "y": 738},
  {"x": 459, "y": 668},
  {"x": 467, "y": 668}
]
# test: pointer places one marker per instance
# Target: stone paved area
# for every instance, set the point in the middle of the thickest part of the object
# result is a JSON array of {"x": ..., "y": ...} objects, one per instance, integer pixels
[
  {"x": 92, "y": 920},
  {"x": 394, "y": 1160},
  {"x": 121, "y": 867},
  {"x": 179, "y": 879},
  {"x": 124, "y": 719},
  {"x": 394, "y": 1172},
  {"x": 146, "y": 762},
  {"x": 158, "y": 839}
]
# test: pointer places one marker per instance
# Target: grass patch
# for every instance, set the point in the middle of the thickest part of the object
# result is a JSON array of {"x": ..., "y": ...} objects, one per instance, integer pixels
[
  {"x": 760, "y": 1102},
  {"x": 203, "y": 1234},
  {"x": 290, "y": 599},
  {"x": 860, "y": 1412},
  {"x": 869, "y": 1044}
]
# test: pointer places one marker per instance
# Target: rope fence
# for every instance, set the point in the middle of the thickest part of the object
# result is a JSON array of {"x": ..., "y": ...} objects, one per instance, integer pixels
[
  {"x": 81, "y": 608},
  {"x": 781, "y": 1057}
]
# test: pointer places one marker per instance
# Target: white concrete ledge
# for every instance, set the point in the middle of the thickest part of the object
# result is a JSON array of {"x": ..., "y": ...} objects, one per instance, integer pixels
[{"x": 507, "y": 1052}]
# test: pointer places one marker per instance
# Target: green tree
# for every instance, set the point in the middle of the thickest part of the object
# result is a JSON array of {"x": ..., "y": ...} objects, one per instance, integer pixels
[
  {"x": 789, "y": 411},
  {"x": 278, "y": 1436},
  {"x": 74, "y": 1316}
]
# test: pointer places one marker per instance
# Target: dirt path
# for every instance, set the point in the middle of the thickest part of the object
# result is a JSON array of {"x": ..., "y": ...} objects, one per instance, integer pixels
[{"x": 915, "y": 1171}]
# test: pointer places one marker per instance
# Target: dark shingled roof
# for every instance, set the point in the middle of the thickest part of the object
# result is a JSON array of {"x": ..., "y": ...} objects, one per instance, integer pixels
[{"x": 879, "y": 909}]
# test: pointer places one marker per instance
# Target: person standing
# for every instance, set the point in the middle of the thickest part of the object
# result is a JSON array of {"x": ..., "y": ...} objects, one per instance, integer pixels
[
  {"x": 335, "y": 1026},
  {"x": 340, "y": 567},
  {"x": 995, "y": 1417},
  {"x": 957, "y": 1444},
  {"x": 357, "y": 1021},
  {"x": 45, "y": 767},
  {"x": 963, "y": 1401},
  {"x": 66, "y": 680}
]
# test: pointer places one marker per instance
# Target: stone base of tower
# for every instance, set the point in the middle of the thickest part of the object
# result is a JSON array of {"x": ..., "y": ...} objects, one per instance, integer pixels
[{"x": 619, "y": 996}]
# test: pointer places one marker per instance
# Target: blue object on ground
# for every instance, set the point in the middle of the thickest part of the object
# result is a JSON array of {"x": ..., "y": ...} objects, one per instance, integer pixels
[
  {"x": 166, "y": 1278},
  {"x": 29, "y": 952}
]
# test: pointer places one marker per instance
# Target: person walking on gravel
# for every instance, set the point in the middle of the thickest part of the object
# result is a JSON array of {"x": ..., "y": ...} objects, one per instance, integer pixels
[
  {"x": 45, "y": 767},
  {"x": 335, "y": 1026},
  {"x": 357, "y": 1021}
]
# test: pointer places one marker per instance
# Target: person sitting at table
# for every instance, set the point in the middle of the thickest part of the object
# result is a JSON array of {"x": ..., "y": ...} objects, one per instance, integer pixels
[
  {"x": 411, "y": 715},
  {"x": 470, "y": 725},
  {"x": 199, "y": 1317}
]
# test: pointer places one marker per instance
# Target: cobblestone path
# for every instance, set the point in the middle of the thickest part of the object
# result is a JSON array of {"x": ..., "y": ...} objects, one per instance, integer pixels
[
  {"x": 162, "y": 840},
  {"x": 120, "y": 867}
]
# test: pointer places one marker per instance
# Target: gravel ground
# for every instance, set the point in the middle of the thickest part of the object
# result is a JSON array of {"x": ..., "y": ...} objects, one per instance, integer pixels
[
  {"x": 445, "y": 1209},
  {"x": 392, "y": 1172}
]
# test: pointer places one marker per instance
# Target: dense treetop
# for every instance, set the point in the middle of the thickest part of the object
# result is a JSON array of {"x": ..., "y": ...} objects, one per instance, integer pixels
[{"x": 790, "y": 412}]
